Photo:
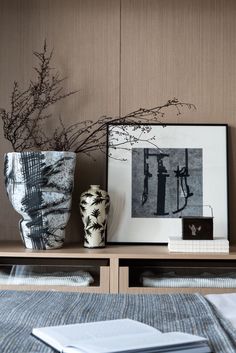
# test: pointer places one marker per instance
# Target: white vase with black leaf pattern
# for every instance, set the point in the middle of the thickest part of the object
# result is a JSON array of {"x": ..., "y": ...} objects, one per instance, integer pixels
[
  {"x": 94, "y": 208},
  {"x": 39, "y": 186}
]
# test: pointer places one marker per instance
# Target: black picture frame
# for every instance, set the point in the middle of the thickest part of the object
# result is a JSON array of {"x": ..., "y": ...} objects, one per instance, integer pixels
[{"x": 185, "y": 152}]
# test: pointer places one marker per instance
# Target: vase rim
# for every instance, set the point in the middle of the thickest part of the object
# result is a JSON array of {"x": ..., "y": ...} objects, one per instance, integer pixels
[{"x": 64, "y": 152}]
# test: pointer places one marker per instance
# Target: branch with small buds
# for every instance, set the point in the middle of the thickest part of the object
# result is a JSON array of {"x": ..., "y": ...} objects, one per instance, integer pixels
[
  {"x": 88, "y": 136},
  {"x": 22, "y": 124}
]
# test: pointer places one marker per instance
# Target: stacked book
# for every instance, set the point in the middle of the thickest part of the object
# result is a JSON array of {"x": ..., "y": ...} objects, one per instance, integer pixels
[{"x": 219, "y": 245}]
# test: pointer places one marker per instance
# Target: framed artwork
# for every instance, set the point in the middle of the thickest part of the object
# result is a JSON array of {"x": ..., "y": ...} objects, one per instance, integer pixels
[{"x": 157, "y": 174}]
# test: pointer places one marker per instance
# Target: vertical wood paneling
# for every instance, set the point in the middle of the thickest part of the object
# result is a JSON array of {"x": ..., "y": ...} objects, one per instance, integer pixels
[
  {"x": 184, "y": 49},
  {"x": 85, "y": 38}
]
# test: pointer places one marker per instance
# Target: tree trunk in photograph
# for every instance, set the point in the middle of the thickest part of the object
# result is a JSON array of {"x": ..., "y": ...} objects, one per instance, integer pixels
[
  {"x": 94, "y": 208},
  {"x": 39, "y": 186}
]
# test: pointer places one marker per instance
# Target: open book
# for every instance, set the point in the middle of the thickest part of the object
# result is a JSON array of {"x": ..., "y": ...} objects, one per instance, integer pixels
[{"x": 115, "y": 336}]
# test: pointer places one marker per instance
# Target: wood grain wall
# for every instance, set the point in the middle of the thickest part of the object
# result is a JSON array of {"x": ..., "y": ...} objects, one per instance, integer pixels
[{"x": 120, "y": 55}]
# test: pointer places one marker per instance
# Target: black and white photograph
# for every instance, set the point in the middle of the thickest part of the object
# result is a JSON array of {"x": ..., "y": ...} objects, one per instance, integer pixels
[
  {"x": 165, "y": 173},
  {"x": 166, "y": 182}
]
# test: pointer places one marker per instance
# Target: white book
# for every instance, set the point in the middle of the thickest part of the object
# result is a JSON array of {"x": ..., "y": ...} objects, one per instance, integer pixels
[
  {"x": 202, "y": 251},
  {"x": 213, "y": 242},
  {"x": 121, "y": 336},
  {"x": 196, "y": 250},
  {"x": 176, "y": 244}
]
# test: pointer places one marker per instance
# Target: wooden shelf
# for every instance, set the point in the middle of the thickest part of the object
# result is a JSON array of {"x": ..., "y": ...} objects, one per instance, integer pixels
[
  {"x": 102, "y": 287},
  {"x": 110, "y": 260},
  {"x": 16, "y": 249}
]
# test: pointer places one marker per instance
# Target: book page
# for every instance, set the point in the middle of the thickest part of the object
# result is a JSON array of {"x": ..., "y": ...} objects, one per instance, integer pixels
[{"x": 67, "y": 335}]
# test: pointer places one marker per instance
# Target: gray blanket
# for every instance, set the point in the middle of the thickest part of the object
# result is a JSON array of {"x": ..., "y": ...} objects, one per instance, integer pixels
[{"x": 21, "y": 311}]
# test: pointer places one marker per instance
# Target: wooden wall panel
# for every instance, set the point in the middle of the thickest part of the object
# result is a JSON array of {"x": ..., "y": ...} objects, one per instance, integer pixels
[
  {"x": 85, "y": 38},
  {"x": 184, "y": 49},
  {"x": 168, "y": 48}
]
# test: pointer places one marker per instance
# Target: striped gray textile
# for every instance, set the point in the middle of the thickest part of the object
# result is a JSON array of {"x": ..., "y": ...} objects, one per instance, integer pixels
[
  {"x": 174, "y": 280},
  {"x": 21, "y": 311}
]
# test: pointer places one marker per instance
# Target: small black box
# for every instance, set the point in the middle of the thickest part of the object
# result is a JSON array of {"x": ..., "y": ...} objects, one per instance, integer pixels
[{"x": 197, "y": 228}]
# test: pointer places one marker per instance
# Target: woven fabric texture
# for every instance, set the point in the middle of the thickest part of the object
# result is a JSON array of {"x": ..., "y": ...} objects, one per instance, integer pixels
[{"x": 22, "y": 311}]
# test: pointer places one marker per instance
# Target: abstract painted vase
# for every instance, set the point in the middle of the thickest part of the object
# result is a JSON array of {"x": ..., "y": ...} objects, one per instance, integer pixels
[
  {"x": 94, "y": 208},
  {"x": 39, "y": 186}
]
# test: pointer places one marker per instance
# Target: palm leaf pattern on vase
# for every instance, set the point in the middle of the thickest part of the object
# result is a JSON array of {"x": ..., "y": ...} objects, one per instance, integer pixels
[
  {"x": 97, "y": 201},
  {"x": 82, "y": 209},
  {"x": 86, "y": 240},
  {"x": 107, "y": 208},
  {"x": 87, "y": 194},
  {"x": 96, "y": 226},
  {"x": 94, "y": 204},
  {"x": 95, "y": 213},
  {"x": 88, "y": 221}
]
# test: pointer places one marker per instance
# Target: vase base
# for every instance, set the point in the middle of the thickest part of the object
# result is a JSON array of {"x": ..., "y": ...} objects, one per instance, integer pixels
[
  {"x": 94, "y": 247},
  {"x": 44, "y": 249}
]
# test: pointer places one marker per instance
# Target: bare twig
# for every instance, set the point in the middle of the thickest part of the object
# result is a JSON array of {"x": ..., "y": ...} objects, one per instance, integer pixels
[{"x": 22, "y": 124}]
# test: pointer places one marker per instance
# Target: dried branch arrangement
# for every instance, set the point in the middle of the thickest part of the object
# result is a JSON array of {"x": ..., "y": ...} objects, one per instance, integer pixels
[{"x": 23, "y": 123}]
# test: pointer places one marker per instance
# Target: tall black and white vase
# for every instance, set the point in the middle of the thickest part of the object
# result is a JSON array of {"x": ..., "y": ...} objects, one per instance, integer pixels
[
  {"x": 39, "y": 186},
  {"x": 94, "y": 208}
]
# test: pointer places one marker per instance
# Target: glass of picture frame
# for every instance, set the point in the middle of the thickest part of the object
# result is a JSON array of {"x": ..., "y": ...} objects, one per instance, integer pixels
[{"x": 157, "y": 174}]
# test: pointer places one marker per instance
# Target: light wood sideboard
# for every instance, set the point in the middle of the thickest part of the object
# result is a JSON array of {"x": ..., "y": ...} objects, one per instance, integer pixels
[{"x": 117, "y": 265}]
